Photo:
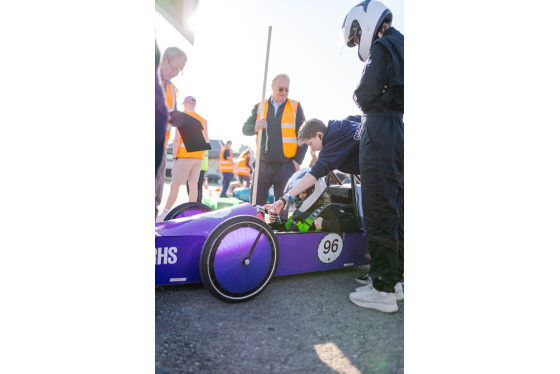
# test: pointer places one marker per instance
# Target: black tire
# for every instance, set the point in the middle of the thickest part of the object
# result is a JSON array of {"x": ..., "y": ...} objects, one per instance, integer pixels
[
  {"x": 187, "y": 209},
  {"x": 239, "y": 259}
]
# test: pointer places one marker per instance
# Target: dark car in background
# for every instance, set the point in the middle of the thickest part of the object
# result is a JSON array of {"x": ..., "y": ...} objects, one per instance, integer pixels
[
  {"x": 168, "y": 165},
  {"x": 168, "y": 161}
]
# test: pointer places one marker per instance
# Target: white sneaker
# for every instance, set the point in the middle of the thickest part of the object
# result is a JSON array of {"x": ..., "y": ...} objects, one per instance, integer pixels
[
  {"x": 373, "y": 299},
  {"x": 162, "y": 216},
  {"x": 364, "y": 279},
  {"x": 399, "y": 294}
]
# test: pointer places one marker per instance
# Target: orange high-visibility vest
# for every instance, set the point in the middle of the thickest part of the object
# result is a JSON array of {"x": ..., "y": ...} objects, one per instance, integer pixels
[
  {"x": 225, "y": 165},
  {"x": 242, "y": 168},
  {"x": 182, "y": 152},
  {"x": 170, "y": 98},
  {"x": 288, "y": 121}
]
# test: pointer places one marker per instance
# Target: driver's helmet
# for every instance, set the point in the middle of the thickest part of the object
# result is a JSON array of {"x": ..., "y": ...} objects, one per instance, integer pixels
[
  {"x": 364, "y": 21},
  {"x": 313, "y": 193}
]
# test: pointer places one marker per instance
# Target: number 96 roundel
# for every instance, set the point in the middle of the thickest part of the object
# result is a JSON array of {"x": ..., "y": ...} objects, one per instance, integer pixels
[{"x": 330, "y": 248}]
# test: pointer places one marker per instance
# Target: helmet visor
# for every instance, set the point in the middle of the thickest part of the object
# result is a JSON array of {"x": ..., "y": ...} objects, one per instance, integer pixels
[
  {"x": 346, "y": 44},
  {"x": 355, "y": 31}
]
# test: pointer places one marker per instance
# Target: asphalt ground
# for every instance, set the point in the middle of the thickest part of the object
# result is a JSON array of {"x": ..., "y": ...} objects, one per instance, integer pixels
[{"x": 301, "y": 323}]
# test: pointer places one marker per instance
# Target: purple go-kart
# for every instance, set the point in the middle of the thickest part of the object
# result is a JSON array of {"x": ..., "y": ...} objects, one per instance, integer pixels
[{"x": 235, "y": 253}]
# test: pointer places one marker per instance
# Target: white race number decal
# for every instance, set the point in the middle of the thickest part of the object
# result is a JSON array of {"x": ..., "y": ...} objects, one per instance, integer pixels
[{"x": 330, "y": 248}]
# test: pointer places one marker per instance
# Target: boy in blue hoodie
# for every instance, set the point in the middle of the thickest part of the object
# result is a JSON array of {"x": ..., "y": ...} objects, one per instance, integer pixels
[{"x": 339, "y": 144}]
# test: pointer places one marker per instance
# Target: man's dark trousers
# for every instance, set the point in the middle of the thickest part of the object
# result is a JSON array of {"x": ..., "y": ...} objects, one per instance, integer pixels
[
  {"x": 382, "y": 177},
  {"x": 272, "y": 174},
  {"x": 227, "y": 177}
]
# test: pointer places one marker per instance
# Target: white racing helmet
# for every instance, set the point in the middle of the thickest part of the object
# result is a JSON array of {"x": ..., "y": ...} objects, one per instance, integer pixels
[
  {"x": 364, "y": 21},
  {"x": 313, "y": 193}
]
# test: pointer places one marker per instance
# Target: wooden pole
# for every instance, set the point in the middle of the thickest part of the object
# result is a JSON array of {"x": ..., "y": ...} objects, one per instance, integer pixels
[{"x": 260, "y": 115}]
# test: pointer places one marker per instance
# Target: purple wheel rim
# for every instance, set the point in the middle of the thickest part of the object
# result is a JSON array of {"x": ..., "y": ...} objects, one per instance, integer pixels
[{"x": 229, "y": 268}]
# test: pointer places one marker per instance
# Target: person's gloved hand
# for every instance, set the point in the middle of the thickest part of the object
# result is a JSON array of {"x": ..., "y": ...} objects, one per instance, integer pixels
[
  {"x": 277, "y": 207},
  {"x": 270, "y": 217}
]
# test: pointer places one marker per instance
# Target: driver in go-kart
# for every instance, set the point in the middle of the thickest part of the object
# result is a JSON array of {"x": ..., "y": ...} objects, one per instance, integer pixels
[{"x": 314, "y": 210}]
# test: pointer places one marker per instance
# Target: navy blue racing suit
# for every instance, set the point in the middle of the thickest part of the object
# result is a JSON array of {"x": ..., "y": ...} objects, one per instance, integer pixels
[{"x": 381, "y": 158}]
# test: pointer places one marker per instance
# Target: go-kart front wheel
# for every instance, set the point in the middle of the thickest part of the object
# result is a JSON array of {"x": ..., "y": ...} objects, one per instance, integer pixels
[
  {"x": 187, "y": 210},
  {"x": 239, "y": 259}
]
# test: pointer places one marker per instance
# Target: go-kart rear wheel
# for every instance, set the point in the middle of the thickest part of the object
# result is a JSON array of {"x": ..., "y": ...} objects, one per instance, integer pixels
[
  {"x": 187, "y": 210},
  {"x": 239, "y": 259}
]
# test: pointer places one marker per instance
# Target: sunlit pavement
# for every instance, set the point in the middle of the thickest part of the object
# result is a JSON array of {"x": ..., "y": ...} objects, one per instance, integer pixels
[
  {"x": 183, "y": 197},
  {"x": 300, "y": 324}
]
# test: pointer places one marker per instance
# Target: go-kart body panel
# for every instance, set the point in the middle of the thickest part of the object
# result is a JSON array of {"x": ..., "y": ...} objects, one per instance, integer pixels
[
  {"x": 299, "y": 252},
  {"x": 179, "y": 244}
]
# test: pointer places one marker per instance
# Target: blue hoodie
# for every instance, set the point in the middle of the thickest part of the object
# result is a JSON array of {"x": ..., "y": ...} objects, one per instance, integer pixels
[{"x": 341, "y": 147}]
